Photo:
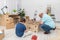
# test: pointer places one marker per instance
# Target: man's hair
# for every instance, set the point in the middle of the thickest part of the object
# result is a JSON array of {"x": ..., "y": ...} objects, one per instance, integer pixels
[{"x": 23, "y": 20}]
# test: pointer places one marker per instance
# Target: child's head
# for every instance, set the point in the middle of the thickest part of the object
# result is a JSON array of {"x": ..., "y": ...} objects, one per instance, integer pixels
[{"x": 23, "y": 20}]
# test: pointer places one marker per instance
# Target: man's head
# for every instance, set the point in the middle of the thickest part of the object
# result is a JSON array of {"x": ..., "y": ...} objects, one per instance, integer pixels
[{"x": 41, "y": 15}]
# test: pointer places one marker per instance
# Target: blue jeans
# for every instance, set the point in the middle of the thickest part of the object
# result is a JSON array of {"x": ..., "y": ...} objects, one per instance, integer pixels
[{"x": 46, "y": 28}]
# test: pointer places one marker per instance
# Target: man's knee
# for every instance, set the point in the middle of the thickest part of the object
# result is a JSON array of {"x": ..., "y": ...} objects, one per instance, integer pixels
[{"x": 43, "y": 26}]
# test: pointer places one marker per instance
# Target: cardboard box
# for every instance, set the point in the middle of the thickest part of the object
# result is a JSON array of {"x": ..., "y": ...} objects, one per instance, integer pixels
[
  {"x": 10, "y": 25},
  {"x": 9, "y": 20},
  {"x": 32, "y": 27},
  {"x": 2, "y": 35},
  {"x": 3, "y": 20}
]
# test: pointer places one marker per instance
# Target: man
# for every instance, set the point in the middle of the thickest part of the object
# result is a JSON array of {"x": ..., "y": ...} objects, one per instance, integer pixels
[
  {"x": 46, "y": 23},
  {"x": 20, "y": 28}
]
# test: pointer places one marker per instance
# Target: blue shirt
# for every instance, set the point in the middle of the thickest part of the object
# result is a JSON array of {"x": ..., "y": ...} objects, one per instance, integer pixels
[
  {"x": 48, "y": 20},
  {"x": 20, "y": 28}
]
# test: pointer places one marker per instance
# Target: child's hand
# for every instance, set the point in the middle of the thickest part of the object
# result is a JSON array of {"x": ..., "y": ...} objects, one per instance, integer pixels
[{"x": 26, "y": 30}]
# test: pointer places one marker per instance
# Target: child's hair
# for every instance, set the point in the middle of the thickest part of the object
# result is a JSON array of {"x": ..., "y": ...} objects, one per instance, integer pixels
[{"x": 23, "y": 20}]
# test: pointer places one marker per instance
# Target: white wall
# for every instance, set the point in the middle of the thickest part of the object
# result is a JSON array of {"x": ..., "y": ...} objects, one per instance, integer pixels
[
  {"x": 31, "y": 6},
  {"x": 12, "y": 4},
  {"x": 40, "y": 5},
  {"x": 2, "y": 4},
  {"x": 18, "y": 4},
  {"x": 56, "y": 10}
]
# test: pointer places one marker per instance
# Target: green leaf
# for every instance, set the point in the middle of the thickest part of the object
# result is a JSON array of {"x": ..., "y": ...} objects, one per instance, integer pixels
[{"x": 14, "y": 10}]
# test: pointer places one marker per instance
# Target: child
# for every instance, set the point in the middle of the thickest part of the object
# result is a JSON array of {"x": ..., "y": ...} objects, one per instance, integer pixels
[{"x": 20, "y": 28}]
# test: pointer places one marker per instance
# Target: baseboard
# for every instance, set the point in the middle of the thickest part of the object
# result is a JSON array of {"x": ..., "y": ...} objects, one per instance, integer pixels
[{"x": 57, "y": 21}]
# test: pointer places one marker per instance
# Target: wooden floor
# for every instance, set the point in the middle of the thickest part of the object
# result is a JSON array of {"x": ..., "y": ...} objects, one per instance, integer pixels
[{"x": 54, "y": 35}]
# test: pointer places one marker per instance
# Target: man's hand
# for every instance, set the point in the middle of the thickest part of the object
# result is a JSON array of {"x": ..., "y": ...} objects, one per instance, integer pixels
[{"x": 40, "y": 22}]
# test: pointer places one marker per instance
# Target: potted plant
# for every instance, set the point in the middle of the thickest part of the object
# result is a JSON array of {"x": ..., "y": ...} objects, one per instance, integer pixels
[
  {"x": 21, "y": 13},
  {"x": 14, "y": 10}
]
